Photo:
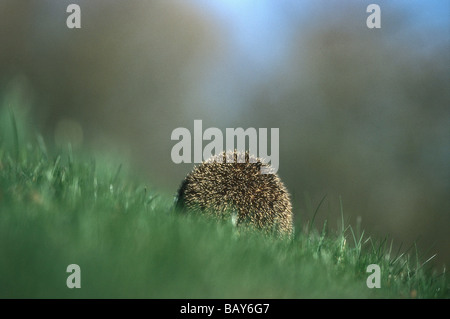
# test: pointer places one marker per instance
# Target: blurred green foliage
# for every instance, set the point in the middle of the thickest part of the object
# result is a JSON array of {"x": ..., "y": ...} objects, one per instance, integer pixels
[
  {"x": 363, "y": 114},
  {"x": 60, "y": 208}
]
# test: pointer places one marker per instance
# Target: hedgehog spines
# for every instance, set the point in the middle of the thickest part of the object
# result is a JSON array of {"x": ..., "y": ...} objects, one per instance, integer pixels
[{"x": 236, "y": 185}]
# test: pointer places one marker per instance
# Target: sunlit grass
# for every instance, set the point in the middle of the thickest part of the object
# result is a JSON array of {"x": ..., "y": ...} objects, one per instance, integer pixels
[{"x": 61, "y": 208}]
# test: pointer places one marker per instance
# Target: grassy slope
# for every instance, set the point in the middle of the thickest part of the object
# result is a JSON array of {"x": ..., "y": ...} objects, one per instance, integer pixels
[{"x": 56, "y": 210}]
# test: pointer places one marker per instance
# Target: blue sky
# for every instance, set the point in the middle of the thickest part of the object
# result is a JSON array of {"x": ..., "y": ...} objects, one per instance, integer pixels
[
  {"x": 260, "y": 28},
  {"x": 259, "y": 33}
]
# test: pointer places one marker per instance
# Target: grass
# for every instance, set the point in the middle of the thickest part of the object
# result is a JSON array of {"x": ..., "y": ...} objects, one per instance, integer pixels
[{"x": 58, "y": 208}]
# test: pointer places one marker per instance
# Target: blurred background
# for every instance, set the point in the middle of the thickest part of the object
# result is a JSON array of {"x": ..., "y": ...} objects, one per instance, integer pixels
[{"x": 363, "y": 113}]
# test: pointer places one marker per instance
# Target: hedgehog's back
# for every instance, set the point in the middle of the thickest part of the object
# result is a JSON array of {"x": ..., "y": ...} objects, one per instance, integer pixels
[{"x": 222, "y": 186}]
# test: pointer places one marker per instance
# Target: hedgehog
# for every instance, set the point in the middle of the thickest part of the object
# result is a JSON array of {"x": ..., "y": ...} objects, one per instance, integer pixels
[{"x": 231, "y": 185}]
